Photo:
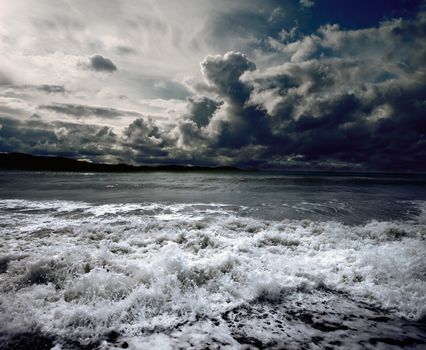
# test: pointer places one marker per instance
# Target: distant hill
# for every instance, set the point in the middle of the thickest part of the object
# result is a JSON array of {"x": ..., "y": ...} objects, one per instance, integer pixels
[
  {"x": 21, "y": 161},
  {"x": 27, "y": 162}
]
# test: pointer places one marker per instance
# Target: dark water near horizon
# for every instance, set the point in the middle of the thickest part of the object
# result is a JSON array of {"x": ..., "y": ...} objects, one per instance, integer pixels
[
  {"x": 212, "y": 260},
  {"x": 351, "y": 199}
]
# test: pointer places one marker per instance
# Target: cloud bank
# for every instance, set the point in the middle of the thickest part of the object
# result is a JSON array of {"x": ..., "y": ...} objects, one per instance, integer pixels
[{"x": 333, "y": 98}]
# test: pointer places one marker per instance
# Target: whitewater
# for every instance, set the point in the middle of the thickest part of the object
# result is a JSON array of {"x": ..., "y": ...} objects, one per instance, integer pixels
[{"x": 220, "y": 261}]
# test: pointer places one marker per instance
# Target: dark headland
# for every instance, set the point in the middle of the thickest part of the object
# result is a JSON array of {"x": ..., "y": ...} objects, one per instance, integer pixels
[{"x": 26, "y": 162}]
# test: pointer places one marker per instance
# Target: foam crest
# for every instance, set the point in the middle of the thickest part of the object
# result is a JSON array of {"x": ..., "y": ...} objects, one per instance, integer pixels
[{"x": 79, "y": 271}]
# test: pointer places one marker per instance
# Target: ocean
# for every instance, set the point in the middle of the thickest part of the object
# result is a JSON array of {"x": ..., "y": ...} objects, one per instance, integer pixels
[{"x": 233, "y": 260}]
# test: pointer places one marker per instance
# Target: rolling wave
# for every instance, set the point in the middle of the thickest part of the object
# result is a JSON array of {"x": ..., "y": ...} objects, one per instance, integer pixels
[{"x": 165, "y": 274}]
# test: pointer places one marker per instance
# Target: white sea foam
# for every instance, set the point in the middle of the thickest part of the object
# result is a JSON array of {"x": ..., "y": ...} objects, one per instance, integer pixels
[{"x": 78, "y": 270}]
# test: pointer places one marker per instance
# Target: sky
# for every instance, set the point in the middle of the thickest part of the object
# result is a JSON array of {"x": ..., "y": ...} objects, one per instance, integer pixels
[{"x": 291, "y": 84}]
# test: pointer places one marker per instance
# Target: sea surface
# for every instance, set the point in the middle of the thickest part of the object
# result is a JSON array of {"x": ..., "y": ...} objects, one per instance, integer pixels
[{"x": 212, "y": 261}]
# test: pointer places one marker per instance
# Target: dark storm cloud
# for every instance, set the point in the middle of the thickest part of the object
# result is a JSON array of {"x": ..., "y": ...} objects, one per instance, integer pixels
[
  {"x": 346, "y": 99},
  {"x": 342, "y": 100},
  {"x": 201, "y": 109},
  {"x": 99, "y": 63},
  {"x": 144, "y": 141},
  {"x": 57, "y": 138},
  {"x": 140, "y": 130},
  {"x": 80, "y": 111},
  {"x": 16, "y": 136},
  {"x": 223, "y": 74},
  {"x": 243, "y": 124}
]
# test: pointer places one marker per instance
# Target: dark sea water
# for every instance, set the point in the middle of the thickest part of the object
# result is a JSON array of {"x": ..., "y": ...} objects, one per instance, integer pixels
[{"x": 212, "y": 261}]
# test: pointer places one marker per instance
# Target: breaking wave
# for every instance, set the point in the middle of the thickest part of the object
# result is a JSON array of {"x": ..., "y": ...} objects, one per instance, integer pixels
[{"x": 168, "y": 275}]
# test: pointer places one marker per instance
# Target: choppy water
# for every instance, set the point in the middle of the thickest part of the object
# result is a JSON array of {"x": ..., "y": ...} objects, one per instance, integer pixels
[{"x": 229, "y": 261}]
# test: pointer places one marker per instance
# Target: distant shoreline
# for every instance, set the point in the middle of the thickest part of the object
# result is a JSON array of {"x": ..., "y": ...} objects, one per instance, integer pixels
[{"x": 26, "y": 162}]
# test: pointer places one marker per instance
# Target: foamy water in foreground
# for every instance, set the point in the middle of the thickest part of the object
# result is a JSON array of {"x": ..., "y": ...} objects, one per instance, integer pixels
[{"x": 145, "y": 275}]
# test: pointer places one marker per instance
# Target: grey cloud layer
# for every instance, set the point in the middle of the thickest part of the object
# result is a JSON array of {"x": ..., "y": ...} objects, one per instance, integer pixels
[
  {"x": 80, "y": 111},
  {"x": 338, "y": 98}
]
